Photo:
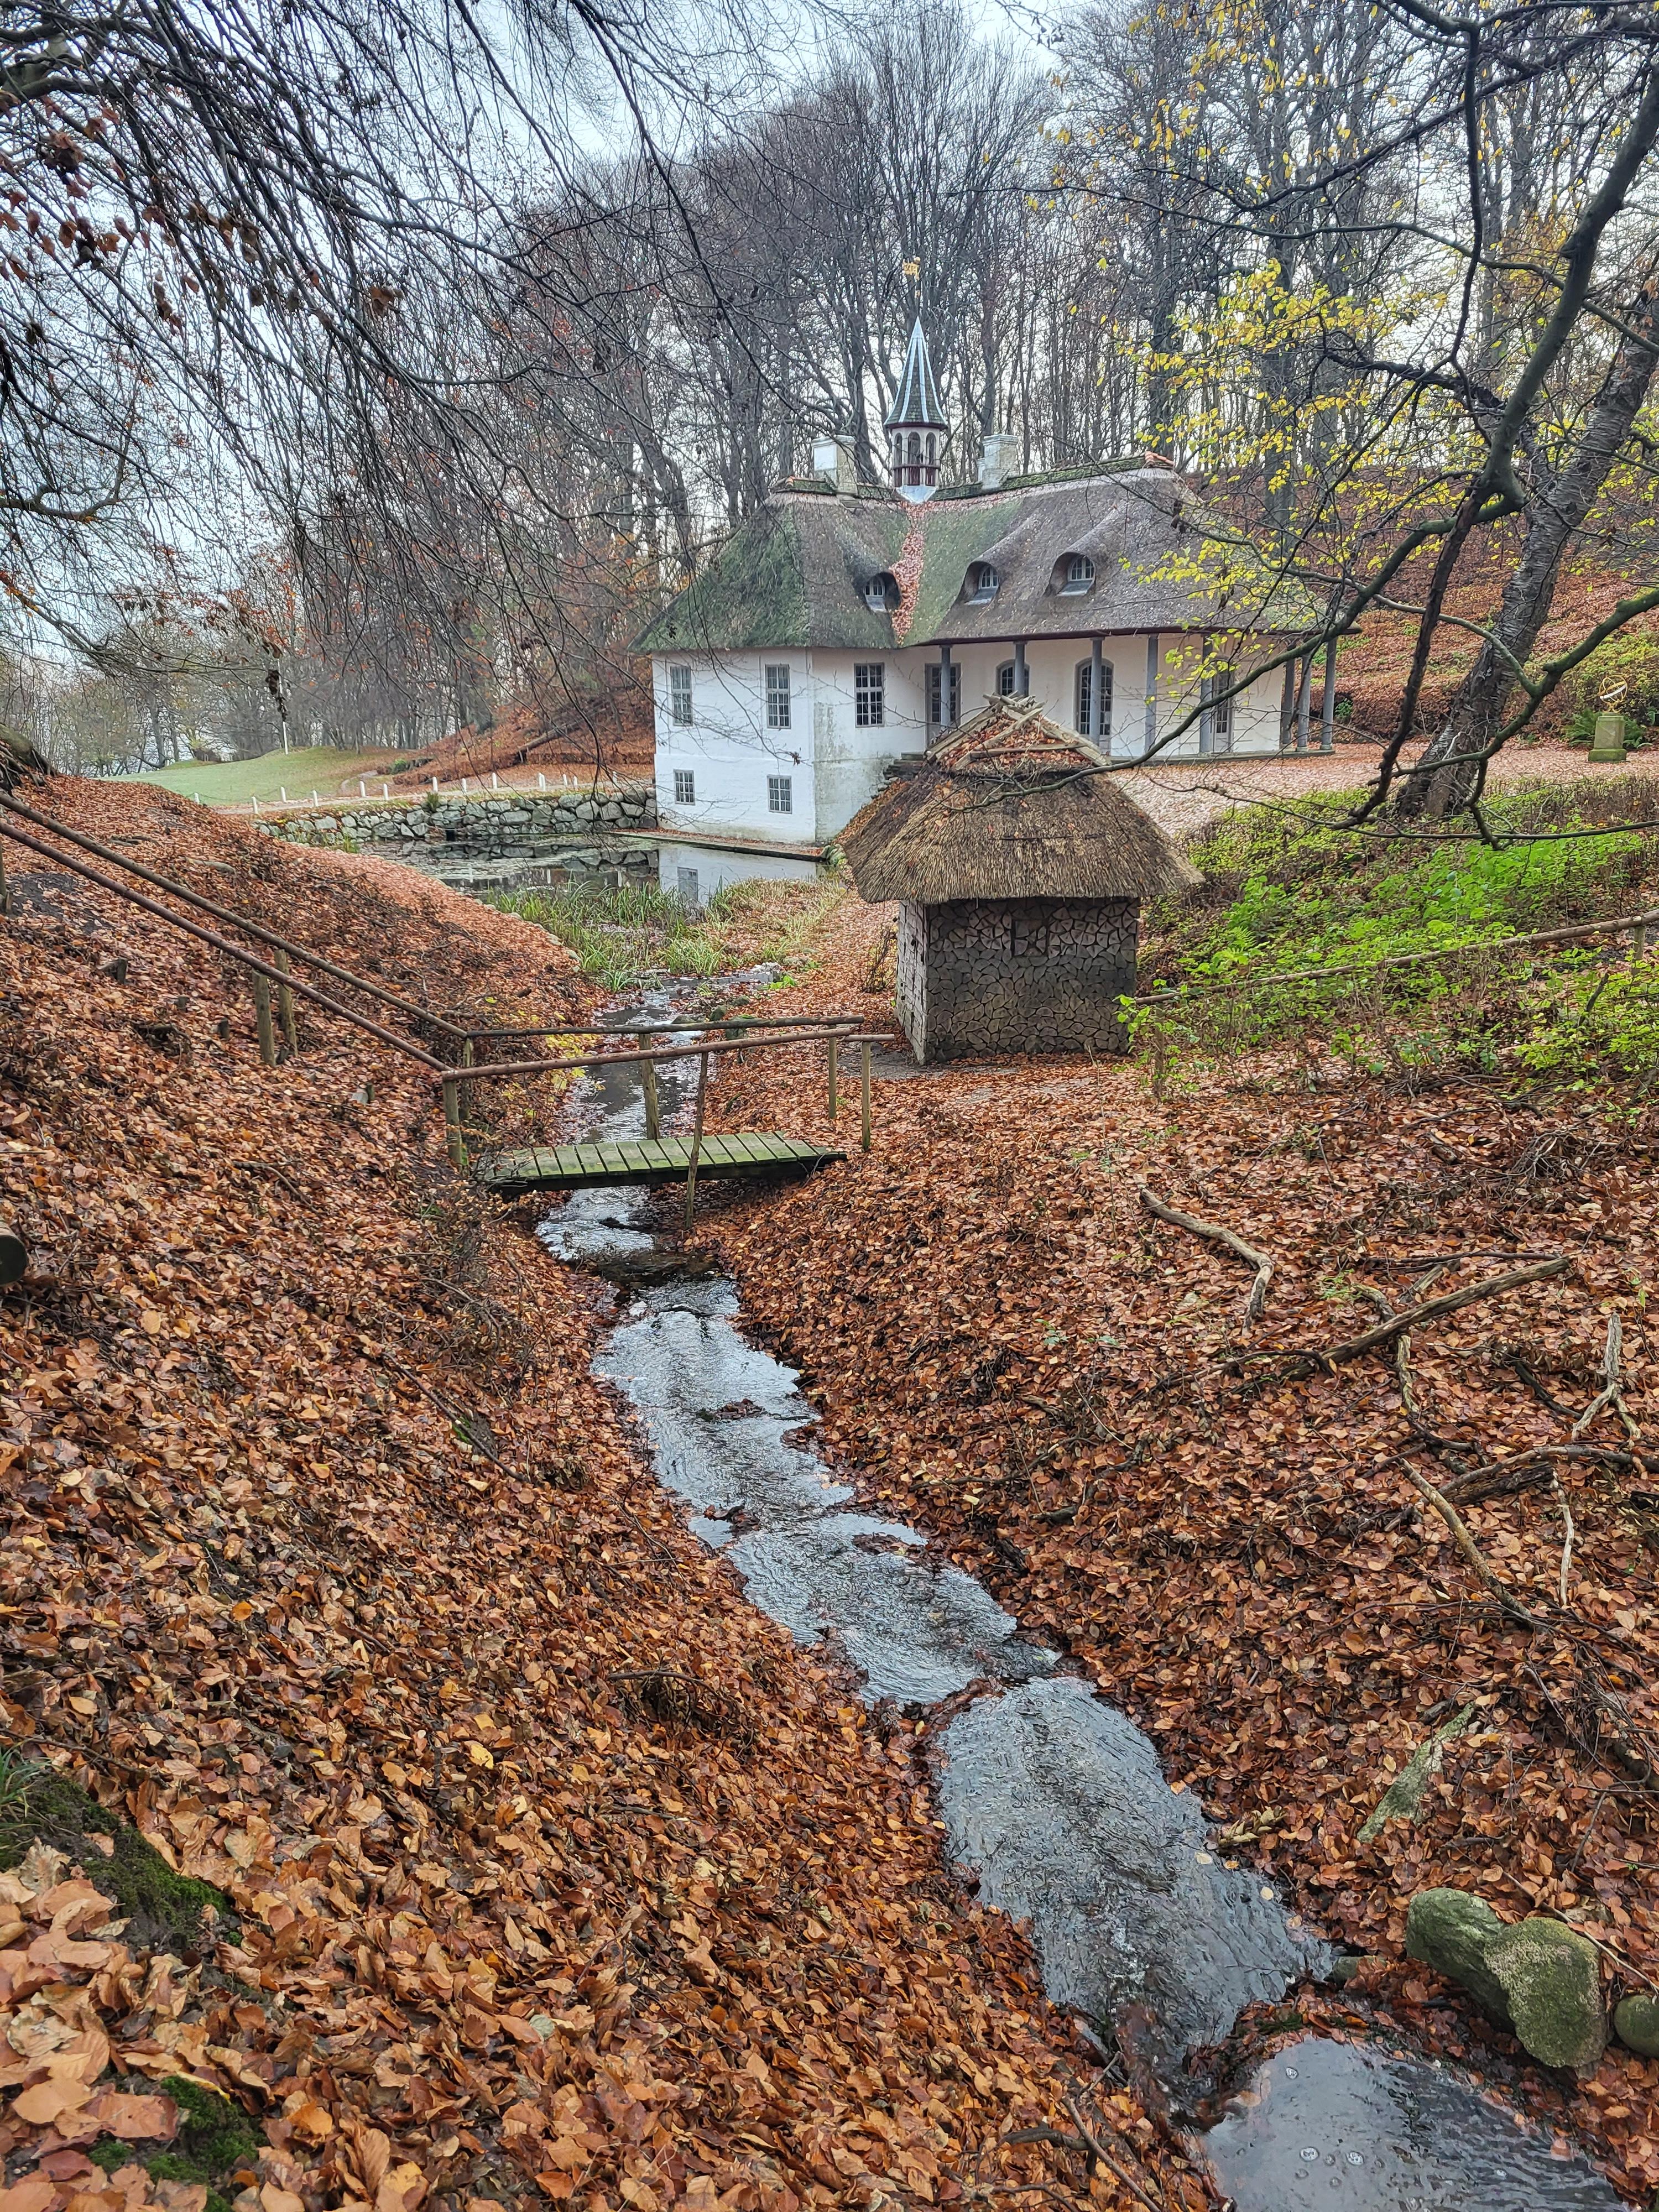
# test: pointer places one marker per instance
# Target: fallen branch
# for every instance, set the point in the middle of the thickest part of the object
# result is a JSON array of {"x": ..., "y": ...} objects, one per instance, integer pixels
[
  {"x": 1612, "y": 1391},
  {"x": 1214, "y": 1233},
  {"x": 1408, "y": 1317},
  {"x": 1502, "y": 1476},
  {"x": 1471, "y": 1551}
]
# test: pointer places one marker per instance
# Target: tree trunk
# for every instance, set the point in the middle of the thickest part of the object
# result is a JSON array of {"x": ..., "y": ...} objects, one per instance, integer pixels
[{"x": 1446, "y": 779}]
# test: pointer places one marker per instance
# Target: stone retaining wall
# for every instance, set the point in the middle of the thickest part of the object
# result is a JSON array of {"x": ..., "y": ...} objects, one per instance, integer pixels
[{"x": 477, "y": 821}]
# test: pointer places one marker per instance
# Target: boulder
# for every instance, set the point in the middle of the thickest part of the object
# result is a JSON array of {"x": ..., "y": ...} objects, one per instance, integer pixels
[
  {"x": 1451, "y": 1931},
  {"x": 1551, "y": 1978},
  {"x": 1636, "y": 2024}
]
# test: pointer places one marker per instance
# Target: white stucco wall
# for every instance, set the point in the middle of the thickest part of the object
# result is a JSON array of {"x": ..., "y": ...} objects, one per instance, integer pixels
[{"x": 834, "y": 766}]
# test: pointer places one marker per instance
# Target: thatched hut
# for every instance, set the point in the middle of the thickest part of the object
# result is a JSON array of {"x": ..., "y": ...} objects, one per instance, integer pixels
[{"x": 1020, "y": 870}]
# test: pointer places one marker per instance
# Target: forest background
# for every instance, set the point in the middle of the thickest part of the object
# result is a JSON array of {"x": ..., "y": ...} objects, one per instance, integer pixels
[{"x": 367, "y": 377}]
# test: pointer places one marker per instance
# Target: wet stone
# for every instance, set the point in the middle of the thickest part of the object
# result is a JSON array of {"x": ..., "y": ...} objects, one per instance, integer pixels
[{"x": 1636, "y": 2024}]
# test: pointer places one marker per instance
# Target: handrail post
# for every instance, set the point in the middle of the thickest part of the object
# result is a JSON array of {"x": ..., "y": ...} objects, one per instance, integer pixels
[
  {"x": 864, "y": 1096},
  {"x": 5, "y": 889},
  {"x": 653, "y": 1107},
  {"x": 831, "y": 1055},
  {"x": 455, "y": 1141},
  {"x": 697, "y": 1141},
  {"x": 466, "y": 1088},
  {"x": 261, "y": 1018},
  {"x": 285, "y": 1002}
]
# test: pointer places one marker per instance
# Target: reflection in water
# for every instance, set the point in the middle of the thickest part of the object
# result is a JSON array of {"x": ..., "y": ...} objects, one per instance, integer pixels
[
  {"x": 1350, "y": 2127},
  {"x": 1052, "y": 1796}
]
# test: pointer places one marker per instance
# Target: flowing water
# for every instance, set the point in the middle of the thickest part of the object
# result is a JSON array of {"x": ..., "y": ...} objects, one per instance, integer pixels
[{"x": 1049, "y": 1795}]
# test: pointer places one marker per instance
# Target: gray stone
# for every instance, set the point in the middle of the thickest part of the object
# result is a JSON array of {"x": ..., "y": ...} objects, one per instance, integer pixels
[
  {"x": 1452, "y": 1932},
  {"x": 1636, "y": 2024},
  {"x": 1551, "y": 1977},
  {"x": 1608, "y": 741}
]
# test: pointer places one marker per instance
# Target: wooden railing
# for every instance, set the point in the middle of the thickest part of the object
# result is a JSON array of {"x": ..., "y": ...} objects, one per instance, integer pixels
[{"x": 453, "y": 1077}]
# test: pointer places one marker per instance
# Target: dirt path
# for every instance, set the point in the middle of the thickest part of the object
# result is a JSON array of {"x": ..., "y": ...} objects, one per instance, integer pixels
[{"x": 1185, "y": 797}]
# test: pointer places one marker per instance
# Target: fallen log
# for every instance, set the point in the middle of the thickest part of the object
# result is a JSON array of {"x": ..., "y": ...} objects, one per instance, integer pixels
[{"x": 1339, "y": 1355}]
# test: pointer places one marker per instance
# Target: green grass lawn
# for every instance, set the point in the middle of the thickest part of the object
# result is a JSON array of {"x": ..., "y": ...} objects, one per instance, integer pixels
[{"x": 233, "y": 783}]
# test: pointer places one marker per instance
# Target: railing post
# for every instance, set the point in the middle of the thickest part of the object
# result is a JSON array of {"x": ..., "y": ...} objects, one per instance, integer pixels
[
  {"x": 864, "y": 1096},
  {"x": 455, "y": 1142},
  {"x": 697, "y": 1141},
  {"x": 653, "y": 1105},
  {"x": 831, "y": 1051},
  {"x": 5, "y": 891},
  {"x": 285, "y": 1003},
  {"x": 262, "y": 1020},
  {"x": 466, "y": 1088}
]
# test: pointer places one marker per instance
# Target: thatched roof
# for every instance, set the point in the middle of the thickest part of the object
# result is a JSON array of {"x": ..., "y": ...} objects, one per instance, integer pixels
[
  {"x": 797, "y": 572},
  {"x": 1010, "y": 806}
]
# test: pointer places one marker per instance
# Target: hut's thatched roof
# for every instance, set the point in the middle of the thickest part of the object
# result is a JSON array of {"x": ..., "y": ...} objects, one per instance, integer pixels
[{"x": 1010, "y": 806}]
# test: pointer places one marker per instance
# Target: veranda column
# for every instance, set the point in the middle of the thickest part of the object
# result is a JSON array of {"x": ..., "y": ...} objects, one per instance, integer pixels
[
  {"x": 1095, "y": 717},
  {"x": 944, "y": 714},
  {"x": 1022, "y": 683},
  {"x": 1206, "y": 717},
  {"x": 1152, "y": 693},
  {"x": 1328, "y": 705}
]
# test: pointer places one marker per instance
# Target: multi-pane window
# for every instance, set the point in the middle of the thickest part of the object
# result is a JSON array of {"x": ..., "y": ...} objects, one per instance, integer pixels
[
  {"x": 780, "y": 794},
  {"x": 685, "y": 886},
  {"x": 1221, "y": 715},
  {"x": 685, "y": 788},
  {"x": 983, "y": 582},
  {"x": 1084, "y": 686},
  {"x": 870, "y": 693},
  {"x": 934, "y": 691},
  {"x": 1079, "y": 575},
  {"x": 679, "y": 694},
  {"x": 777, "y": 697},
  {"x": 1005, "y": 680}
]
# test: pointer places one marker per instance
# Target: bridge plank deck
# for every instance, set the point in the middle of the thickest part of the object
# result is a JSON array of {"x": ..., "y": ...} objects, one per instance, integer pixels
[{"x": 648, "y": 1160}]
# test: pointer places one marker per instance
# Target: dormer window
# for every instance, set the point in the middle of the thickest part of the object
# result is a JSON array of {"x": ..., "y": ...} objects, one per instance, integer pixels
[
  {"x": 1079, "y": 575},
  {"x": 984, "y": 583},
  {"x": 881, "y": 593}
]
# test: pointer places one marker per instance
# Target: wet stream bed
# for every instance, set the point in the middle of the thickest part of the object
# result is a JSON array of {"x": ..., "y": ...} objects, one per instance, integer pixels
[{"x": 1052, "y": 1799}]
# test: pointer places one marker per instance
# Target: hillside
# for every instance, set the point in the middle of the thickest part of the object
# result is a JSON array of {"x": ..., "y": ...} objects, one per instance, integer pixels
[{"x": 541, "y": 1866}]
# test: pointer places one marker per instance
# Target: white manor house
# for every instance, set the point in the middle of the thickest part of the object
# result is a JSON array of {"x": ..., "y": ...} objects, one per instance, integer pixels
[{"x": 844, "y": 625}]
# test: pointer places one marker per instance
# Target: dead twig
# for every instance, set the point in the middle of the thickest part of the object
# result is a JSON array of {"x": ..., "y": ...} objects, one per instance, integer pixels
[
  {"x": 1408, "y": 1317},
  {"x": 1566, "y": 1546},
  {"x": 1215, "y": 1233},
  {"x": 1612, "y": 1392},
  {"x": 1471, "y": 1551}
]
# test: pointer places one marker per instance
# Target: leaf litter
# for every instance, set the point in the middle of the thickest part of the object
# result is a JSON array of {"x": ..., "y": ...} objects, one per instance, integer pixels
[
  {"x": 1230, "y": 1534},
  {"x": 514, "y": 1856}
]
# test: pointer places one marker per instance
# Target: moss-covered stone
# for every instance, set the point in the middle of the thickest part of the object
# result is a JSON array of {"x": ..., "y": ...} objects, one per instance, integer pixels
[
  {"x": 1636, "y": 2024},
  {"x": 1551, "y": 1978},
  {"x": 165, "y": 1911},
  {"x": 1452, "y": 1932}
]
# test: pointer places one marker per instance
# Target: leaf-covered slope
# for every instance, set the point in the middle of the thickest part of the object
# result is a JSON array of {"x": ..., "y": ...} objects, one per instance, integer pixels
[{"x": 557, "y": 1872}]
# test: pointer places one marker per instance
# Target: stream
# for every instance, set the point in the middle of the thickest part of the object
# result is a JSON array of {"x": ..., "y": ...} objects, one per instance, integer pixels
[{"x": 1051, "y": 1798}]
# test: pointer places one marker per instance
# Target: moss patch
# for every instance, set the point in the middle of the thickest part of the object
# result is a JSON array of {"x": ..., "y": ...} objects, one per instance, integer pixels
[
  {"x": 215, "y": 2138},
  {"x": 165, "y": 1911}
]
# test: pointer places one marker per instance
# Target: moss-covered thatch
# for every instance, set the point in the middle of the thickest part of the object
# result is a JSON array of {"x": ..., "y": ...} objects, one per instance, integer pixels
[{"x": 1010, "y": 806}]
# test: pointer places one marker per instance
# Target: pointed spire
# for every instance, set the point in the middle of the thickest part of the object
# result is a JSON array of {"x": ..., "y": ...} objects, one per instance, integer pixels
[
  {"x": 916, "y": 403},
  {"x": 916, "y": 427}
]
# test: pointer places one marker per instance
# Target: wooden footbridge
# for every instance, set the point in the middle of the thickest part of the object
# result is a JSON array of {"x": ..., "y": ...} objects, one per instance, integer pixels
[{"x": 452, "y": 1067}]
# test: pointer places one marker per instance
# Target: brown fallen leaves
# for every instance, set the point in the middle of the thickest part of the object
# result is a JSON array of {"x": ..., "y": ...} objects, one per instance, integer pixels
[
  {"x": 327, "y": 1565},
  {"x": 1007, "y": 1350}
]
